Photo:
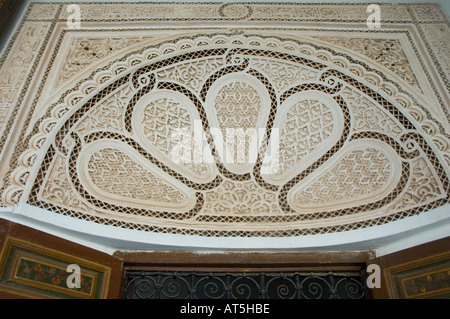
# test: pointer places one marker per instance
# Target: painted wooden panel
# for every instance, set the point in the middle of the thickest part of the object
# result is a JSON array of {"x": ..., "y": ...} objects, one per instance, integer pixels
[
  {"x": 35, "y": 271},
  {"x": 420, "y": 279}
]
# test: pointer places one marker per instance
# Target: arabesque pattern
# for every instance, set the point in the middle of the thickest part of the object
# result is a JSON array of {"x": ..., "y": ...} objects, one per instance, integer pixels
[{"x": 232, "y": 132}]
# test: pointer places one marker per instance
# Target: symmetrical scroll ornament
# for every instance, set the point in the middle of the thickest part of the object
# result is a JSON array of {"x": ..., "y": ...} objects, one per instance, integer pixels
[
  {"x": 83, "y": 52},
  {"x": 387, "y": 53},
  {"x": 142, "y": 144}
]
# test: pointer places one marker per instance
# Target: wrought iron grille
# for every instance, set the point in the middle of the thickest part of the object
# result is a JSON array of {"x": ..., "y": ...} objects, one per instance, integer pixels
[{"x": 164, "y": 285}]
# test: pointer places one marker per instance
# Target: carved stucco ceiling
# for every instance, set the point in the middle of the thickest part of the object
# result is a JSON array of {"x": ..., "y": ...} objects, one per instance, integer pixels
[{"x": 93, "y": 119}]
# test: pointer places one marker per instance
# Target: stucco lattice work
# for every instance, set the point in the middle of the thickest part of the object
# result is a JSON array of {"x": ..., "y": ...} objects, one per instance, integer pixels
[{"x": 127, "y": 120}]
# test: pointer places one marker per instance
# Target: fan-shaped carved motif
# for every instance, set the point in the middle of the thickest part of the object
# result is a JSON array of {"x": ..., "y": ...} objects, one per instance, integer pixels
[{"x": 146, "y": 147}]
